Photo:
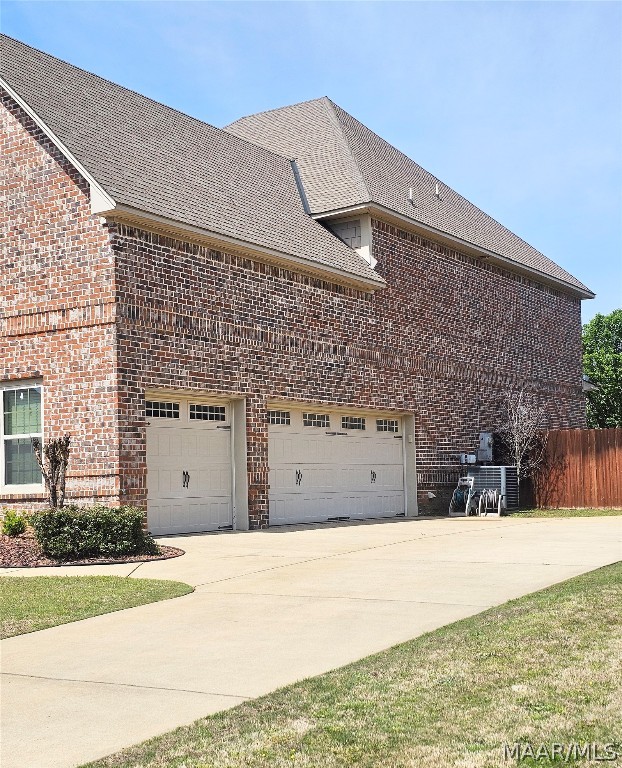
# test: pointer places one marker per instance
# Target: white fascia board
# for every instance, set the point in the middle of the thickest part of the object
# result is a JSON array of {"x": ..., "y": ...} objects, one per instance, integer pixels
[
  {"x": 513, "y": 266},
  {"x": 100, "y": 199},
  {"x": 136, "y": 216}
]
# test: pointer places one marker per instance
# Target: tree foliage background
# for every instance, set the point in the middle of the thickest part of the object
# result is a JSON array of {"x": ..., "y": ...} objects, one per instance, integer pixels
[{"x": 602, "y": 362}]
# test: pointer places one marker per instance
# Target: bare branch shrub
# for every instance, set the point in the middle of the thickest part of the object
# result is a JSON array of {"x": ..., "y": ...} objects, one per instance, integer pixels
[
  {"x": 522, "y": 431},
  {"x": 52, "y": 458}
]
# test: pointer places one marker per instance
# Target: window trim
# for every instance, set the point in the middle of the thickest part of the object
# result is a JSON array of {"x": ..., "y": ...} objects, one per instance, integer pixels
[
  {"x": 314, "y": 416},
  {"x": 359, "y": 421},
  {"x": 284, "y": 417},
  {"x": 388, "y": 426},
  {"x": 210, "y": 416},
  {"x": 25, "y": 488},
  {"x": 175, "y": 414}
]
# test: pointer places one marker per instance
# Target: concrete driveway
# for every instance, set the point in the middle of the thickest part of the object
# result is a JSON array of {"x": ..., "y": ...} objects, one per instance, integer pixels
[{"x": 270, "y": 607}]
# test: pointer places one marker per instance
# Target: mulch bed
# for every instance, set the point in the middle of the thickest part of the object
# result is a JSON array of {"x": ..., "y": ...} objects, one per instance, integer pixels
[{"x": 23, "y": 552}]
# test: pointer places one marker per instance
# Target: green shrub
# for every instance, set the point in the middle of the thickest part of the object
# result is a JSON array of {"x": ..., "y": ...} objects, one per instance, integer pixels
[
  {"x": 76, "y": 532},
  {"x": 14, "y": 523}
]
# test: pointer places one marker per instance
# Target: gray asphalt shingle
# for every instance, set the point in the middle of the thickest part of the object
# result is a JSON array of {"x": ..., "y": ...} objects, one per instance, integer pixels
[
  {"x": 161, "y": 161},
  {"x": 342, "y": 163}
]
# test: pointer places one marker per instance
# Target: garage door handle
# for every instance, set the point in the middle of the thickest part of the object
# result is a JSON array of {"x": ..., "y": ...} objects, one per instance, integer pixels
[
  {"x": 298, "y": 477},
  {"x": 373, "y": 476},
  {"x": 185, "y": 479}
]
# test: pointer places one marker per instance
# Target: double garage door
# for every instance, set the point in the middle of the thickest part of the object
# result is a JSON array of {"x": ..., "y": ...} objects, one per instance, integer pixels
[
  {"x": 323, "y": 465},
  {"x": 327, "y": 465}
]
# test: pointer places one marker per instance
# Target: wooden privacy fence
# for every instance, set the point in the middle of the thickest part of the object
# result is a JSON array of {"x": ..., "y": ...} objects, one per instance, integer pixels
[{"x": 583, "y": 468}]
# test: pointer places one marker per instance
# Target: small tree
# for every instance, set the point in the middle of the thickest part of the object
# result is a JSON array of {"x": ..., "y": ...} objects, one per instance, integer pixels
[
  {"x": 52, "y": 458},
  {"x": 522, "y": 432},
  {"x": 602, "y": 362}
]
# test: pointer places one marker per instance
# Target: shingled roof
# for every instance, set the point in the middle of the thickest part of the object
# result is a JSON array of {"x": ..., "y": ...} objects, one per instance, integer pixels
[
  {"x": 157, "y": 160},
  {"x": 343, "y": 164}
]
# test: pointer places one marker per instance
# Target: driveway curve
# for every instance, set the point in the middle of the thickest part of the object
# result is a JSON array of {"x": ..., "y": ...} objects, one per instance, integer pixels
[{"x": 269, "y": 608}]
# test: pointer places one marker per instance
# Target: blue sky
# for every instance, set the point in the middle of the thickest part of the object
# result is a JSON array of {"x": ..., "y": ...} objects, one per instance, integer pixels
[{"x": 517, "y": 105}]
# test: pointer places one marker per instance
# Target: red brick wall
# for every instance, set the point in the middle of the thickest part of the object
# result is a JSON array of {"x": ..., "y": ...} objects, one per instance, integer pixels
[
  {"x": 470, "y": 331},
  {"x": 208, "y": 320},
  {"x": 57, "y": 302},
  {"x": 444, "y": 340}
]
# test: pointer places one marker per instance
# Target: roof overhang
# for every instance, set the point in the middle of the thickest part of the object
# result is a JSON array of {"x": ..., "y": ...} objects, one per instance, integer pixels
[
  {"x": 104, "y": 205},
  {"x": 170, "y": 227},
  {"x": 404, "y": 222},
  {"x": 100, "y": 199}
]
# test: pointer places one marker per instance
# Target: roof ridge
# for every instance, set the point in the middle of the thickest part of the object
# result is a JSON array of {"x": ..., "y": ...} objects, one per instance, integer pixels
[
  {"x": 140, "y": 95},
  {"x": 392, "y": 146},
  {"x": 330, "y": 105},
  {"x": 276, "y": 109}
]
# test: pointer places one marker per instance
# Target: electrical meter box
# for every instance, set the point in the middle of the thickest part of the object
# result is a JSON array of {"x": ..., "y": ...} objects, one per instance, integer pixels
[{"x": 484, "y": 452}]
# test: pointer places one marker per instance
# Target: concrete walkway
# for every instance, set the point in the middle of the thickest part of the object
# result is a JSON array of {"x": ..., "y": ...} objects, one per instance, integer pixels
[{"x": 270, "y": 607}]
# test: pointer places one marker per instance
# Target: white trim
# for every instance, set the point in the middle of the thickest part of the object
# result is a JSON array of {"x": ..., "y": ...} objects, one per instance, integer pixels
[
  {"x": 510, "y": 264},
  {"x": 24, "y": 488},
  {"x": 100, "y": 199},
  {"x": 134, "y": 216},
  {"x": 410, "y": 465}
]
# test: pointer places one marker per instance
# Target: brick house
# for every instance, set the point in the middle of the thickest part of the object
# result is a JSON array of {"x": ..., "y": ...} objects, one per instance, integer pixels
[{"x": 287, "y": 320}]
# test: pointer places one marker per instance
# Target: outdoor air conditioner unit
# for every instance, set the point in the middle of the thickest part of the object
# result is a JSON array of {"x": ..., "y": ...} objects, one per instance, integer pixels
[{"x": 503, "y": 479}]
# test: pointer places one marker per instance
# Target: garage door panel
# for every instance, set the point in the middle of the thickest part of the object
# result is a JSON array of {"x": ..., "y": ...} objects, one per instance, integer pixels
[
  {"x": 317, "y": 474},
  {"x": 189, "y": 476},
  {"x": 189, "y": 445},
  {"x": 300, "y": 449},
  {"x": 214, "y": 481},
  {"x": 301, "y": 508},
  {"x": 171, "y": 444},
  {"x": 188, "y": 516},
  {"x": 326, "y": 477},
  {"x": 318, "y": 507},
  {"x": 163, "y": 482}
]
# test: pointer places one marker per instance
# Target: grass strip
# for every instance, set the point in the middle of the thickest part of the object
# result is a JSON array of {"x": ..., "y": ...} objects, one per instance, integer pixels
[
  {"x": 567, "y": 513},
  {"x": 540, "y": 669},
  {"x": 30, "y": 603}
]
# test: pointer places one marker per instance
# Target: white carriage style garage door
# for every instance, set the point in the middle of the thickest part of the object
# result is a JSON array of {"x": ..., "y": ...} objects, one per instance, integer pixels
[
  {"x": 327, "y": 464},
  {"x": 189, "y": 472}
]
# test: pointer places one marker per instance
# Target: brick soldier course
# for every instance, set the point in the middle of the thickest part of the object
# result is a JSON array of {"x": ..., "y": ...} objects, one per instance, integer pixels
[{"x": 102, "y": 308}]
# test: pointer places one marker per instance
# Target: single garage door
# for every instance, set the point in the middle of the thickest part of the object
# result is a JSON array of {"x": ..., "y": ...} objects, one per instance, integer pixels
[
  {"x": 331, "y": 464},
  {"x": 188, "y": 466}
]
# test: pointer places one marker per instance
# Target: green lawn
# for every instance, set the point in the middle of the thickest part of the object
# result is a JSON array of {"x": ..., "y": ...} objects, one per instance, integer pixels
[
  {"x": 544, "y": 668},
  {"x": 567, "y": 513},
  {"x": 29, "y": 603}
]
